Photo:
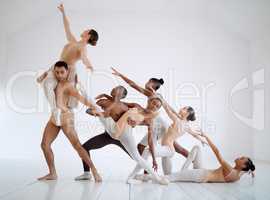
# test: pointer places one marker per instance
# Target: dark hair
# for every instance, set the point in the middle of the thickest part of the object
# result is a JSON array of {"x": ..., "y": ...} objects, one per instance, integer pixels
[
  {"x": 155, "y": 98},
  {"x": 93, "y": 37},
  {"x": 61, "y": 64},
  {"x": 191, "y": 115},
  {"x": 124, "y": 91},
  {"x": 249, "y": 166},
  {"x": 158, "y": 82}
]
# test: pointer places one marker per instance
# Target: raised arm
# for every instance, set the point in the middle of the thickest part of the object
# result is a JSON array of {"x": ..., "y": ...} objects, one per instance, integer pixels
[
  {"x": 69, "y": 35},
  {"x": 227, "y": 168},
  {"x": 169, "y": 112},
  {"x": 132, "y": 84}
]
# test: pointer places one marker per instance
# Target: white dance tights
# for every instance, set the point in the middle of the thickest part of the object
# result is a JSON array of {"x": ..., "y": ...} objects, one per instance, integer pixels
[{"x": 197, "y": 174}]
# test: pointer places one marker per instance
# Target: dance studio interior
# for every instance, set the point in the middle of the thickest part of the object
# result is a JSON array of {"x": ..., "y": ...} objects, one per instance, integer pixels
[{"x": 202, "y": 66}]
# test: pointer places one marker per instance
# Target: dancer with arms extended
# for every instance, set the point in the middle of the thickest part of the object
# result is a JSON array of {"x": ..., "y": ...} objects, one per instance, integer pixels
[
  {"x": 160, "y": 126},
  {"x": 177, "y": 129},
  {"x": 225, "y": 173},
  {"x": 64, "y": 91},
  {"x": 120, "y": 128},
  {"x": 72, "y": 52}
]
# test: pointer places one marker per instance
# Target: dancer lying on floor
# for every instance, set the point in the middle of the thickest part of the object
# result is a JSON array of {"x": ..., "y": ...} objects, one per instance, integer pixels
[
  {"x": 160, "y": 126},
  {"x": 72, "y": 52},
  {"x": 177, "y": 129},
  {"x": 119, "y": 128},
  {"x": 64, "y": 91},
  {"x": 224, "y": 174}
]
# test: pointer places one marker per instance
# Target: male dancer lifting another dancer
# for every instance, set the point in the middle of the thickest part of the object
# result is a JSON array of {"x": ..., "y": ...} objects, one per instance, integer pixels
[
  {"x": 72, "y": 52},
  {"x": 64, "y": 91}
]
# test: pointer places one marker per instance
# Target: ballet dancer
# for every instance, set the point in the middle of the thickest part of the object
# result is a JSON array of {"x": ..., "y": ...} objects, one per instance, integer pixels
[
  {"x": 111, "y": 103},
  {"x": 64, "y": 91},
  {"x": 122, "y": 130},
  {"x": 72, "y": 52},
  {"x": 224, "y": 174},
  {"x": 159, "y": 124},
  {"x": 177, "y": 129}
]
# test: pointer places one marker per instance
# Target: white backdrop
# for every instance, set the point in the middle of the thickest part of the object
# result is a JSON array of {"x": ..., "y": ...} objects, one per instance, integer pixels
[{"x": 202, "y": 49}]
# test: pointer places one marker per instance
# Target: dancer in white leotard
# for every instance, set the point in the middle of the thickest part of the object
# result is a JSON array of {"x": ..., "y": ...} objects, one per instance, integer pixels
[
  {"x": 178, "y": 127},
  {"x": 72, "y": 52},
  {"x": 159, "y": 124},
  {"x": 125, "y": 136}
]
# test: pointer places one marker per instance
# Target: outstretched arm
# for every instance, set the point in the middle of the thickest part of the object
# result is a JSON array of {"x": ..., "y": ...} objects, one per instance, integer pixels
[
  {"x": 104, "y": 96},
  {"x": 227, "y": 168},
  {"x": 74, "y": 93},
  {"x": 196, "y": 135},
  {"x": 69, "y": 35},
  {"x": 132, "y": 84},
  {"x": 169, "y": 112}
]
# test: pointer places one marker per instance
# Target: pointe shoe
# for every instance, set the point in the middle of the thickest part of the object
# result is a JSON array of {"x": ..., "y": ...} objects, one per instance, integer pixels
[
  {"x": 133, "y": 181},
  {"x": 162, "y": 180},
  {"x": 85, "y": 176},
  {"x": 143, "y": 177}
]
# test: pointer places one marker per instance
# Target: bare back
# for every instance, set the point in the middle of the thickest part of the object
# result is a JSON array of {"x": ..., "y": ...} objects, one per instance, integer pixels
[{"x": 71, "y": 53}]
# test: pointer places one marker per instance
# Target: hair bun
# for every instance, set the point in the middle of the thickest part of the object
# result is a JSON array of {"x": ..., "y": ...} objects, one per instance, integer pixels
[
  {"x": 252, "y": 167},
  {"x": 161, "y": 81}
]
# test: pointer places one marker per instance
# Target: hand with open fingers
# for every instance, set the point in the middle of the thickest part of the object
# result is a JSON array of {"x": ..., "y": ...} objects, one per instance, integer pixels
[{"x": 115, "y": 72}]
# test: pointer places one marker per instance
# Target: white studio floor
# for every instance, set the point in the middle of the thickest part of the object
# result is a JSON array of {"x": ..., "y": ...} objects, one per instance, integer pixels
[{"x": 18, "y": 183}]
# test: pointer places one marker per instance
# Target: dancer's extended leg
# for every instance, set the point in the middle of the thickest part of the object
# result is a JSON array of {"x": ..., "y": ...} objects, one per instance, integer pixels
[
  {"x": 128, "y": 141},
  {"x": 69, "y": 131},
  {"x": 97, "y": 142}
]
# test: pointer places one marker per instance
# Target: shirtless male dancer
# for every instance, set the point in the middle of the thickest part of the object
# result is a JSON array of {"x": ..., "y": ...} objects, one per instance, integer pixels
[
  {"x": 72, "y": 52},
  {"x": 64, "y": 91},
  {"x": 160, "y": 126},
  {"x": 116, "y": 109}
]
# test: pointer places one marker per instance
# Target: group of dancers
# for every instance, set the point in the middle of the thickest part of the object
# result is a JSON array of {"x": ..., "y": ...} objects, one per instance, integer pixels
[{"x": 63, "y": 92}]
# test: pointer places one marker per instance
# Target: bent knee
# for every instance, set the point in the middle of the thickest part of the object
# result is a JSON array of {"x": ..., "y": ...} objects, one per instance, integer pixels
[
  {"x": 45, "y": 146},
  {"x": 77, "y": 145}
]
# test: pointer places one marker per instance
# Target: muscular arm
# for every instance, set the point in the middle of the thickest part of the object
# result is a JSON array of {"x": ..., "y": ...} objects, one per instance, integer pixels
[
  {"x": 42, "y": 77},
  {"x": 132, "y": 105},
  {"x": 69, "y": 35},
  {"x": 105, "y": 96},
  {"x": 132, "y": 84},
  {"x": 74, "y": 93}
]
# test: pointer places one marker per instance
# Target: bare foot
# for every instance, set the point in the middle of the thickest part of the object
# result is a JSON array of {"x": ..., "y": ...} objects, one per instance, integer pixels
[
  {"x": 97, "y": 177},
  {"x": 48, "y": 177}
]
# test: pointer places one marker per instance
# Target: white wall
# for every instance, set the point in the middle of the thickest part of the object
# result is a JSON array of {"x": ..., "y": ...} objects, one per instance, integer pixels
[
  {"x": 195, "y": 43},
  {"x": 260, "y": 59}
]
